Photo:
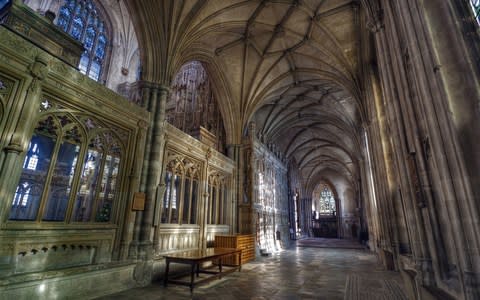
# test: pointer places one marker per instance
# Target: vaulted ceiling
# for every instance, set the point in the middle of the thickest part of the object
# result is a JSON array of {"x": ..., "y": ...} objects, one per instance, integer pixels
[{"x": 292, "y": 67}]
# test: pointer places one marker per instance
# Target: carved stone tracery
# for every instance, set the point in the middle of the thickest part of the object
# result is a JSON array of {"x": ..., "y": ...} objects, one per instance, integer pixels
[{"x": 192, "y": 107}]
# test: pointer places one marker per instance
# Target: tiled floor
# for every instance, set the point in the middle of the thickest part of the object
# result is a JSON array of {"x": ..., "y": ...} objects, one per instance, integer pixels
[{"x": 297, "y": 273}]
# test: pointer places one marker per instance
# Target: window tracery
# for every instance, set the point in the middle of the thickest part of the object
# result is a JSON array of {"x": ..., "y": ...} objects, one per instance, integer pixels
[
  {"x": 192, "y": 106},
  {"x": 217, "y": 192},
  {"x": 64, "y": 177},
  {"x": 323, "y": 202},
  {"x": 80, "y": 19},
  {"x": 181, "y": 190}
]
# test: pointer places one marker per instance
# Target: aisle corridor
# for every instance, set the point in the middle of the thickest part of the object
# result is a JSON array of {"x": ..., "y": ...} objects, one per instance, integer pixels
[{"x": 297, "y": 273}]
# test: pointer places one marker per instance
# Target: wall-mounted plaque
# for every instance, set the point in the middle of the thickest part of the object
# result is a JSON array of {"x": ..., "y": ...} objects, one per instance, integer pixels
[{"x": 138, "y": 201}]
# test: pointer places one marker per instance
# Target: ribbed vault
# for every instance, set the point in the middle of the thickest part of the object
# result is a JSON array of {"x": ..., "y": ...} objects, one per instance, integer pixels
[{"x": 290, "y": 66}]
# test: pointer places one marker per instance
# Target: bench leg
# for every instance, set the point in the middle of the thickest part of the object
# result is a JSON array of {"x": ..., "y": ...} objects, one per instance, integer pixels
[
  {"x": 239, "y": 261},
  {"x": 220, "y": 267},
  {"x": 192, "y": 276},
  {"x": 167, "y": 265}
]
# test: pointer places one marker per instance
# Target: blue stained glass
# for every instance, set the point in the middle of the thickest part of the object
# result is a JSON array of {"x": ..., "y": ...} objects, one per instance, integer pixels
[
  {"x": 89, "y": 38},
  {"x": 79, "y": 18},
  {"x": 3, "y": 3},
  {"x": 91, "y": 20},
  {"x": 63, "y": 18},
  {"x": 62, "y": 23},
  {"x": 78, "y": 9},
  {"x": 94, "y": 70},
  {"x": 65, "y": 13},
  {"x": 83, "y": 65},
  {"x": 77, "y": 28},
  {"x": 100, "y": 52}
]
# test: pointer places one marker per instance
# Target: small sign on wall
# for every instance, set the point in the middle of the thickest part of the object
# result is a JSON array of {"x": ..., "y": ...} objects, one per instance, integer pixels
[{"x": 138, "y": 201}]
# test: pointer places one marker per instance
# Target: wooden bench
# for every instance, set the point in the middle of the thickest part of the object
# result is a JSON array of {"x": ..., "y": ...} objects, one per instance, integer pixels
[{"x": 195, "y": 258}]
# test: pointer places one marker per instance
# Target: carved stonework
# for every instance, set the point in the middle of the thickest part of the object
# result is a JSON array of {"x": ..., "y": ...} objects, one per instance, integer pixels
[
  {"x": 5, "y": 89},
  {"x": 43, "y": 33},
  {"x": 192, "y": 107}
]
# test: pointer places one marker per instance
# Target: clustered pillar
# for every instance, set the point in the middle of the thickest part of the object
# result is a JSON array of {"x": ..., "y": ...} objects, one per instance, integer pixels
[{"x": 154, "y": 99}]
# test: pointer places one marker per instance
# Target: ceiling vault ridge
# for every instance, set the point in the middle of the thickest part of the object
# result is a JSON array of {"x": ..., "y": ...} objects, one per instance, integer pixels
[
  {"x": 318, "y": 168},
  {"x": 314, "y": 150},
  {"x": 271, "y": 126},
  {"x": 281, "y": 63}
]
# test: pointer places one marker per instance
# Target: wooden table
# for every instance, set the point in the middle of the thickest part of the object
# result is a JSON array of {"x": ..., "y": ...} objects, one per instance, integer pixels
[{"x": 195, "y": 257}]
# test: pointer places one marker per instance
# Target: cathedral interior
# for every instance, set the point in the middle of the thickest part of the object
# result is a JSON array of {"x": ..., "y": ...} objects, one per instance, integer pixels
[{"x": 131, "y": 130}]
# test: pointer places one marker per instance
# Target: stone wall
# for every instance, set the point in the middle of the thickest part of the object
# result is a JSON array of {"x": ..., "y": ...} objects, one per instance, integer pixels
[{"x": 44, "y": 259}]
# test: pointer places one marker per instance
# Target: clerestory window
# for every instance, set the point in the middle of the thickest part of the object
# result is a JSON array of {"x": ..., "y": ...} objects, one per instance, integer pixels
[{"x": 79, "y": 18}]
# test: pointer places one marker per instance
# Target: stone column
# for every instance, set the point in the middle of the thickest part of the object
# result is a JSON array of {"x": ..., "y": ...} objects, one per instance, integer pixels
[
  {"x": 149, "y": 104},
  {"x": 204, "y": 202},
  {"x": 154, "y": 99},
  {"x": 252, "y": 133},
  {"x": 128, "y": 232},
  {"x": 235, "y": 152},
  {"x": 150, "y": 181},
  {"x": 400, "y": 134},
  {"x": 154, "y": 170}
]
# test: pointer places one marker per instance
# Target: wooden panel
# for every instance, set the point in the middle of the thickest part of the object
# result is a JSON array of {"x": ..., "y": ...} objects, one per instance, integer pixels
[{"x": 244, "y": 242}]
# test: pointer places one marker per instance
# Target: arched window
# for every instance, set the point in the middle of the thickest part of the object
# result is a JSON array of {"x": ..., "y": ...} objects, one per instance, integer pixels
[
  {"x": 323, "y": 203},
  {"x": 475, "y": 4},
  {"x": 327, "y": 202},
  {"x": 80, "y": 19},
  {"x": 181, "y": 190},
  {"x": 70, "y": 163}
]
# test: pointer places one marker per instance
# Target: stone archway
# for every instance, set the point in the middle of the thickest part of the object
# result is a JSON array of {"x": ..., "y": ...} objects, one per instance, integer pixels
[{"x": 324, "y": 211}]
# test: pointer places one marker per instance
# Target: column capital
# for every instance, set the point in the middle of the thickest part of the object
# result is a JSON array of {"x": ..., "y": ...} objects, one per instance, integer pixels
[{"x": 154, "y": 86}]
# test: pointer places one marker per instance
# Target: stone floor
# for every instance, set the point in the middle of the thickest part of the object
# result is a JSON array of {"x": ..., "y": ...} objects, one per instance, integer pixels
[{"x": 296, "y": 273}]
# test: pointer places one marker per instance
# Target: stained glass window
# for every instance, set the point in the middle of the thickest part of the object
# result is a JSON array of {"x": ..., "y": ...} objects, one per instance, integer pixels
[
  {"x": 4, "y": 3},
  {"x": 327, "y": 202},
  {"x": 475, "y": 4},
  {"x": 80, "y": 19},
  {"x": 323, "y": 203}
]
